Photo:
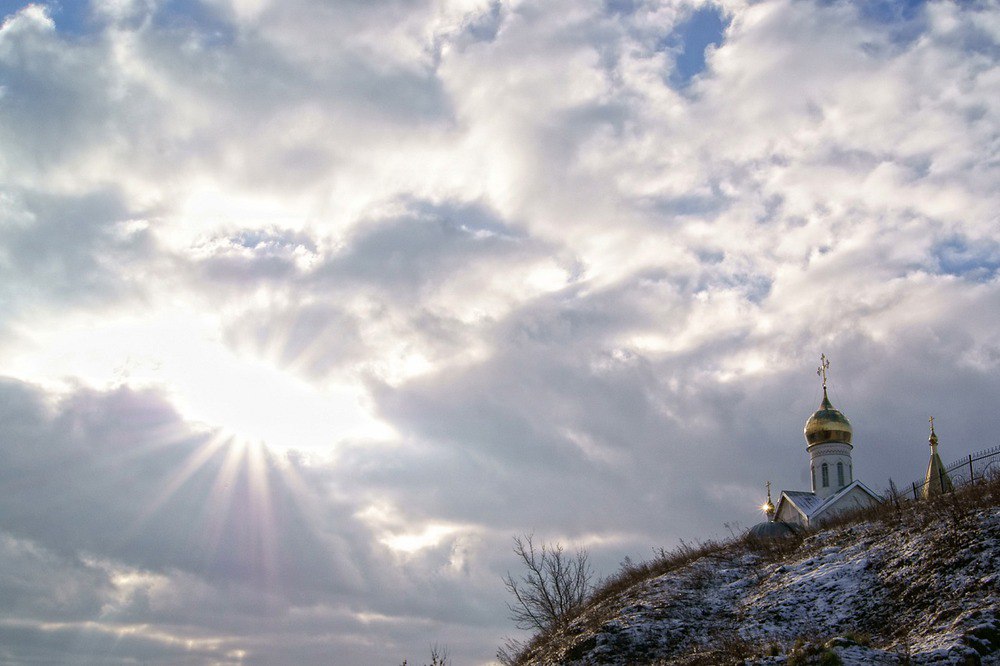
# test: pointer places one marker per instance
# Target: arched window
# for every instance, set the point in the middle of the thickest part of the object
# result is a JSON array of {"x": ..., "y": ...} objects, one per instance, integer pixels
[
  {"x": 825, "y": 469},
  {"x": 850, "y": 472},
  {"x": 840, "y": 474},
  {"x": 812, "y": 468}
]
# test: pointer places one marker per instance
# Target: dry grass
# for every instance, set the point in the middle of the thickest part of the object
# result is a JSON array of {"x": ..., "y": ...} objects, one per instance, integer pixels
[
  {"x": 665, "y": 561},
  {"x": 955, "y": 509}
]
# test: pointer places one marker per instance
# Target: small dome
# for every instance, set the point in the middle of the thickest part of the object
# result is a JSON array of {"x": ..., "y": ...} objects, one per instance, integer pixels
[
  {"x": 827, "y": 425},
  {"x": 771, "y": 529}
]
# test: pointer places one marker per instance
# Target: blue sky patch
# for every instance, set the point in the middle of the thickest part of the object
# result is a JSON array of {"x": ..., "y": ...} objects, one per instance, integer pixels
[
  {"x": 890, "y": 11},
  {"x": 978, "y": 261},
  {"x": 703, "y": 28},
  {"x": 75, "y": 17},
  {"x": 70, "y": 16},
  {"x": 621, "y": 7},
  {"x": 194, "y": 16},
  {"x": 902, "y": 20}
]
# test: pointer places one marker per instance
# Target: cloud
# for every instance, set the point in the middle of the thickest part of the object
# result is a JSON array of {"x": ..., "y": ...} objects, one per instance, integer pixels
[
  {"x": 139, "y": 450},
  {"x": 62, "y": 253},
  {"x": 468, "y": 269},
  {"x": 123, "y": 520}
]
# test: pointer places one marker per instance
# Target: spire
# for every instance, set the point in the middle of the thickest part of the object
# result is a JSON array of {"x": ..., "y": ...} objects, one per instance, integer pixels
[
  {"x": 768, "y": 506},
  {"x": 937, "y": 481},
  {"x": 824, "y": 365},
  {"x": 827, "y": 424}
]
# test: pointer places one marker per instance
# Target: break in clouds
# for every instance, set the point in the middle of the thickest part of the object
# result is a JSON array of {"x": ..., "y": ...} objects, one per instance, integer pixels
[{"x": 308, "y": 307}]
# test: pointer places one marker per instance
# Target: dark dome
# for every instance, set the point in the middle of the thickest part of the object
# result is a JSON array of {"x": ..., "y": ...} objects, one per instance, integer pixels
[
  {"x": 827, "y": 425},
  {"x": 771, "y": 529}
]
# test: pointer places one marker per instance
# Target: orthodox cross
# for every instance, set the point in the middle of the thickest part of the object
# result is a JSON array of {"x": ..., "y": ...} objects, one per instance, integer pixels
[
  {"x": 931, "y": 419},
  {"x": 768, "y": 492},
  {"x": 824, "y": 365}
]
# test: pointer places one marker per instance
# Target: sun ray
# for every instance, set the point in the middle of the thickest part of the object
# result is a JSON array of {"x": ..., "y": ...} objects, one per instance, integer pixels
[
  {"x": 218, "y": 507},
  {"x": 194, "y": 462},
  {"x": 262, "y": 511}
]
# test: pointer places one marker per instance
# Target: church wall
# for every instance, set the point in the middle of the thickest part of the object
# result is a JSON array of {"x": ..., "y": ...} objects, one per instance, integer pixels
[{"x": 788, "y": 514}]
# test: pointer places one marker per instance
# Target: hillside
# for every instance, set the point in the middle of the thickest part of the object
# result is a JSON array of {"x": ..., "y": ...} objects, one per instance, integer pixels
[{"x": 911, "y": 584}]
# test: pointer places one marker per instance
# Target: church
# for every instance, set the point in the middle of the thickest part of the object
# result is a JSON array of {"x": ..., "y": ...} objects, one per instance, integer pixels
[
  {"x": 834, "y": 490},
  {"x": 828, "y": 436}
]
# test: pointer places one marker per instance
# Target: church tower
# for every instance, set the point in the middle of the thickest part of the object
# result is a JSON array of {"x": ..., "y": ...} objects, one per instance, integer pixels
[
  {"x": 937, "y": 482},
  {"x": 828, "y": 441}
]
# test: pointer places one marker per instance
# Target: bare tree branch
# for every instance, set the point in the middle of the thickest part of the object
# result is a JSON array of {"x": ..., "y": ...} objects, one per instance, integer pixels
[{"x": 553, "y": 585}]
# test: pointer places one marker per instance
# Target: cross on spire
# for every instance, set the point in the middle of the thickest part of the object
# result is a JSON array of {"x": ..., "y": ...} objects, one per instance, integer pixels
[
  {"x": 768, "y": 506},
  {"x": 824, "y": 365}
]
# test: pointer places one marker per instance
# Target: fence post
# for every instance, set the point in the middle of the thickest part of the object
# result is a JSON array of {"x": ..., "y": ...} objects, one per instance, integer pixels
[{"x": 972, "y": 477}]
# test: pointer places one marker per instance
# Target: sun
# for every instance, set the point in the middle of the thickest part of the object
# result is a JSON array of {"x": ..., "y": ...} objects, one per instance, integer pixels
[{"x": 183, "y": 355}]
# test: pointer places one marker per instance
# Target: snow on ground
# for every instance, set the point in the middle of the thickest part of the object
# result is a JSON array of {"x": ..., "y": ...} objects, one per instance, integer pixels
[{"x": 922, "y": 588}]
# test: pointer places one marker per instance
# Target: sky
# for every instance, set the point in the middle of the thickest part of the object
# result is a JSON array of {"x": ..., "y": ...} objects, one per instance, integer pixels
[{"x": 307, "y": 308}]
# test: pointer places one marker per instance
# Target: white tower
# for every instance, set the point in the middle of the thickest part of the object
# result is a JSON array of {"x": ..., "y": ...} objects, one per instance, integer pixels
[{"x": 828, "y": 441}]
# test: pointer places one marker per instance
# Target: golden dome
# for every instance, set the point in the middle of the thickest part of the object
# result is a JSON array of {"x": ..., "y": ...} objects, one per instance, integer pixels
[{"x": 827, "y": 425}]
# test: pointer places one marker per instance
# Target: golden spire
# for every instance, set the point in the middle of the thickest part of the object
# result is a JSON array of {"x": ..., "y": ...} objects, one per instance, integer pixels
[
  {"x": 824, "y": 365},
  {"x": 768, "y": 506},
  {"x": 937, "y": 481}
]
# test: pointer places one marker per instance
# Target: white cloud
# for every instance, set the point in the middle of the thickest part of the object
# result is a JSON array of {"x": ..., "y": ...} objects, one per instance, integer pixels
[{"x": 472, "y": 269}]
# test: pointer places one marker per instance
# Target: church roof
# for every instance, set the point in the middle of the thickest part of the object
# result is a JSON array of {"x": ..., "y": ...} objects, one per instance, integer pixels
[
  {"x": 833, "y": 499},
  {"x": 811, "y": 505},
  {"x": 937, "y": 481},
  {"x": 806, "y": 502}
]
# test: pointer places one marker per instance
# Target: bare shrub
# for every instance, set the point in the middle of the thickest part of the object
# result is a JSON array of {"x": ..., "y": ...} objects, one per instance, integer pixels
[
  {"x": 554, "y": 585},
  {"x": 510, "y": 652},
  {"x": 439, "y": 657}
]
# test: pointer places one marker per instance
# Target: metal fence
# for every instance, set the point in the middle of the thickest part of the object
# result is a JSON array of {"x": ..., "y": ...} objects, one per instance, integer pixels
[{"x": 970, "y": 469}]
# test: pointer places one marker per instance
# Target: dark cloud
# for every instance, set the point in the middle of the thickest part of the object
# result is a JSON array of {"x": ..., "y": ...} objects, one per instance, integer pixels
[
  {"x": 66, "y": 251},
  {"x": 428, "y": 245},
  {"x": 58, "y": 101},
  {"x": 93, "y": 644},
  {"x": 37, "y": 582}
]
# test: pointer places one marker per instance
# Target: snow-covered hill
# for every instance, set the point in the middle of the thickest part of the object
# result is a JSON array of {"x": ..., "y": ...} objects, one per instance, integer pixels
[{"x": 915, "y": 585}]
